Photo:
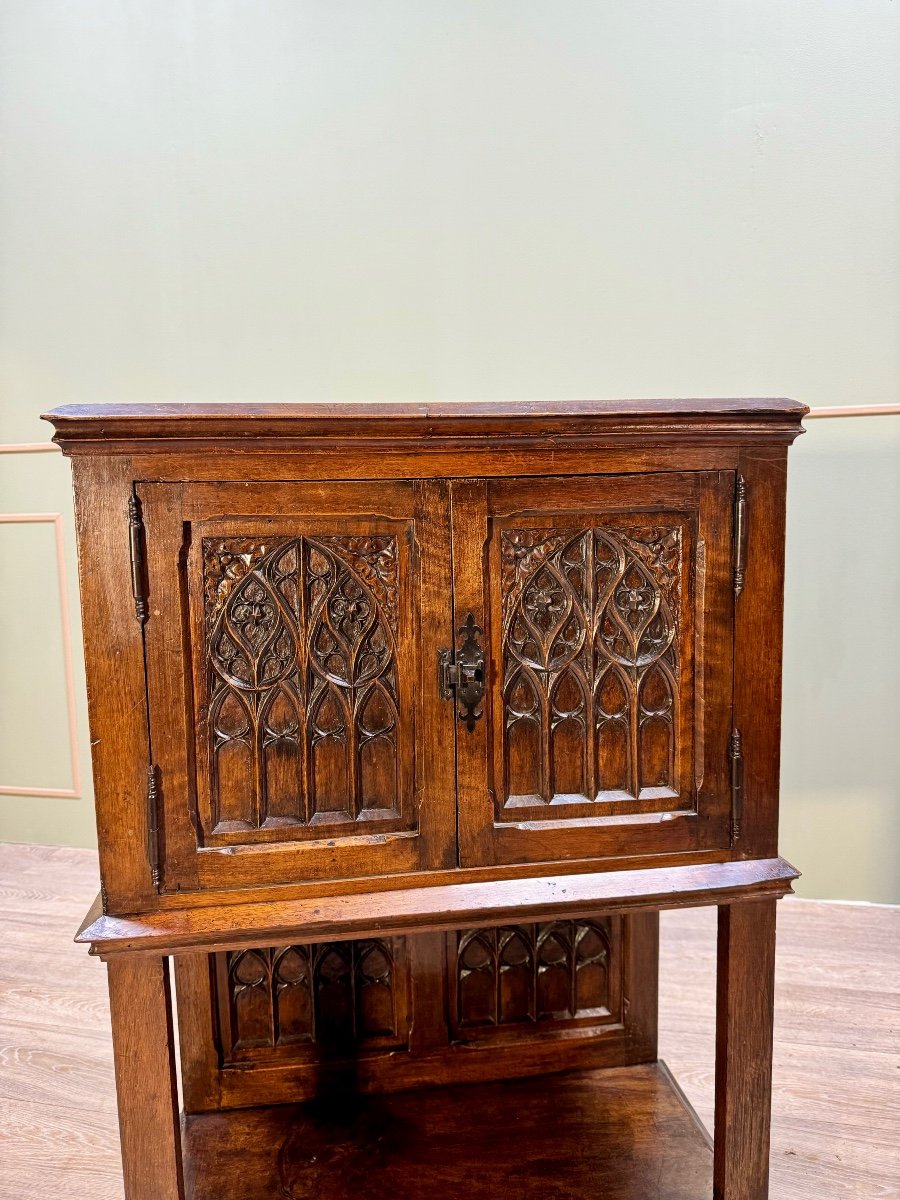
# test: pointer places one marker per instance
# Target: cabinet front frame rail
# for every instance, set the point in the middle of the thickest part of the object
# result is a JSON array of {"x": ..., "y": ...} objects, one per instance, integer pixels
[{"x": 434, "y": 909}]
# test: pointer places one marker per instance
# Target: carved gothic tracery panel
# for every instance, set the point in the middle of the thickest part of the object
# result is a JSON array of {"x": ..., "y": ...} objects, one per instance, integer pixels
[
  {"x": 337, "y": 995},
  {"x": 590, "y": 648},
  {"x": 302, "y": 678},
  {"x": 529, "y": 974}
]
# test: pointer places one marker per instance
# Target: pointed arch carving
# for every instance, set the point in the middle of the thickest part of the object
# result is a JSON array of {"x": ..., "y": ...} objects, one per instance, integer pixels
[
  {"x": 332, "y": 994},
  {"x": 532, "y": 974},
  {"x": 591, "y": 621},
  {"x": 302, "y": 679}
]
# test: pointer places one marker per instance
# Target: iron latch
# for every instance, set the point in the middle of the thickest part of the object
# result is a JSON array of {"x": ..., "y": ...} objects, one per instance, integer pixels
[{"x": 462, "y": 674}]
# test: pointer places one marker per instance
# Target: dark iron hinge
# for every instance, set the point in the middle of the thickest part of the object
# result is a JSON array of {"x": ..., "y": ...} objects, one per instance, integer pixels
[
  {"x": 736, "y": 755},
  {"x": 136, "y": 547},
  {"x": 740, "y": 533},
  {"x": 153, "y": 854}
]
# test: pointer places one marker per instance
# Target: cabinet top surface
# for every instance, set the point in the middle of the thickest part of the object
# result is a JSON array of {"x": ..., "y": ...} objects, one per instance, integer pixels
[{"x": 174, "y": 422}]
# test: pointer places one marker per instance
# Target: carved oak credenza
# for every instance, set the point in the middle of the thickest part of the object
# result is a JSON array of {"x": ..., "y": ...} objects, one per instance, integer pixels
[{"x": 406, "y": 722}]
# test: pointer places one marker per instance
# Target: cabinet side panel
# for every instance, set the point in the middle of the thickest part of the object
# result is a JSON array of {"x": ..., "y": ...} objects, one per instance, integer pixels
[
  {"x": 759, "y": 613},
  {"x": 114, "y": 664}
]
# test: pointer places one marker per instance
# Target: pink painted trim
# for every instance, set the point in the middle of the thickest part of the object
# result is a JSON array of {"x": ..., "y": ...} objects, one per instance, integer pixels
[
  {"x": 855, "y": 410},
  {"x": 49, "y": 793},
  {"x": 74, "y": 792},
  {"x": 28, "y": 518},
  {"x": 26, "y": 447}
]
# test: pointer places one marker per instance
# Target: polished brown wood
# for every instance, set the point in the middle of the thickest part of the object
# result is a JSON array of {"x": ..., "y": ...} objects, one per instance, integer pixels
[
  {"x": 434, "y": 908},
  {"x": 586, "y": 1134},
  {"x": 757, "y": 648},
  {"x": 836, "y": 1099},
  {"x": 141, "y": 1016},
  {"x": 280, "y": 1025},
  {"x": 744, "y": 1017},
  {"x": 304, "y": 726},
  {"x": 112, "y": 428},
  {"x": 477, "y": 675},
  {"x": 609, "y": 595},
  {"x": 116, "y": 693},
  {"x": 219, "y": 475}
]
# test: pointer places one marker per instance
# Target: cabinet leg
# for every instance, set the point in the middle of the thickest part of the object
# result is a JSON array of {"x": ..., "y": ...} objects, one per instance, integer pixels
[
  {"x": 146, "y": 1085},
  {"x": 744, "y": 1015}
]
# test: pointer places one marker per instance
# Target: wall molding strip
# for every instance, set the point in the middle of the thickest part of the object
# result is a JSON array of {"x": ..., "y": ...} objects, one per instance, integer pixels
[
  {"x": 74, "y": 792},
  {"x": 854, "y": 410}
]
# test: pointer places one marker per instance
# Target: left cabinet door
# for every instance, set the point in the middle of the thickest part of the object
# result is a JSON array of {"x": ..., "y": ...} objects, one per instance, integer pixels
[{"x": 296, "y": 723}]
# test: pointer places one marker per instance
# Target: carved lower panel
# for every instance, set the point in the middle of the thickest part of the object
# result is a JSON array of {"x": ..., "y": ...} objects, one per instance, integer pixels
[
  {"x": 293, "y": 1000},
  {"x": 301, "y": 678},
  {"x": 590, "y": 656},
  {"x": 531, "y": 975},
  {"x": 386, "y": 1014}
]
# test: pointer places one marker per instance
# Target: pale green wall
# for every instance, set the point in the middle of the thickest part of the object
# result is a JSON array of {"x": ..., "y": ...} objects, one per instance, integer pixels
[{"x": 259, "y": 200}]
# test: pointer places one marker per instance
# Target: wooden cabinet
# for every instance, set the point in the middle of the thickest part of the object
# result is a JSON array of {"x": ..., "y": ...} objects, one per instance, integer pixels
[{"x": 406, "y": 720}]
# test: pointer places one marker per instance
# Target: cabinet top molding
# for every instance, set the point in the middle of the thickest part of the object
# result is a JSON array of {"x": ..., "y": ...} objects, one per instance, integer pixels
[{"x": 141, "y": 428}]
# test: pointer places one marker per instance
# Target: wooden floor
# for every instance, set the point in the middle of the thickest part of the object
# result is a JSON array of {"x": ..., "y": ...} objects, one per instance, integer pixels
[{"x": 836, "y": 1118}]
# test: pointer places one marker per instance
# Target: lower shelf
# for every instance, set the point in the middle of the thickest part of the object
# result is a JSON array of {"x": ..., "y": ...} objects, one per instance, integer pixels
[{"x": 622, "y": 1134}]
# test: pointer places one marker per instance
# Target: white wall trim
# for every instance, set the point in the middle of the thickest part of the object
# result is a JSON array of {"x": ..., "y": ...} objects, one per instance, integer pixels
[{"x": 74, "y": 792}]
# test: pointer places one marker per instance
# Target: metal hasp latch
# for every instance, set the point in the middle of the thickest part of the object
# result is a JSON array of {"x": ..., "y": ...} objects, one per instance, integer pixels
[{"x": 462, "y": 674}]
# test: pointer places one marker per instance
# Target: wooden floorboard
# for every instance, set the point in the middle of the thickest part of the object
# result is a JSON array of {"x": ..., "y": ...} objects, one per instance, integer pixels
[{"x": 836, "y": 1109}]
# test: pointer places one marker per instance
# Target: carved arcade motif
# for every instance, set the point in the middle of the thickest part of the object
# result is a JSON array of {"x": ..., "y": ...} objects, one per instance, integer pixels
[
  {"x": 529, "y": 974},
  {"x": 303, "y": 705},
  {"x": 590, "y": 661},
  {"x": 333, "y": 995}
]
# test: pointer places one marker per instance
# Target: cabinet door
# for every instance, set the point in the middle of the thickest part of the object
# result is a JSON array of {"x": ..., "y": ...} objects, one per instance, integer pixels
[
  {"x": 295, "y": 717},
  {"x": 606, "y": 605}
]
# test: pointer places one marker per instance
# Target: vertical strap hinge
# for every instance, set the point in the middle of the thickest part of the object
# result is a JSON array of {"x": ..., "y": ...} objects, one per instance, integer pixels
[
  {"x": 740, "y": 533},
  {"x": 153, "y": 855},
  {"x": 136, "y": 548},
  {"x": 736, "y": 755}
]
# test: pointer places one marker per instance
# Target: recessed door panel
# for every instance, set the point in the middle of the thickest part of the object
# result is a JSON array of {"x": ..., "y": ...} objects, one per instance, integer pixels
[
  {"x": 306, "y": 621},
  {"x": 606, "y": 617}
]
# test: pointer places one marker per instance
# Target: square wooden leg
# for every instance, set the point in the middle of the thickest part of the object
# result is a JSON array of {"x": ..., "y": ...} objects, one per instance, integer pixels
[
  {"x": 146, "y": 1084},
  {"x": 744, "y": 1016}
]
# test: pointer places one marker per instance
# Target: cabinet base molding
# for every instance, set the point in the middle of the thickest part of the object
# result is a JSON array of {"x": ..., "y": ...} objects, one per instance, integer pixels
[{"x": 622, "y": 1134}]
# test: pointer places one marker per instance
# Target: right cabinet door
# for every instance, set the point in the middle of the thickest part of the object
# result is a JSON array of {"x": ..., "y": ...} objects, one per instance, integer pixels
[{"x": 606, "y": 607}]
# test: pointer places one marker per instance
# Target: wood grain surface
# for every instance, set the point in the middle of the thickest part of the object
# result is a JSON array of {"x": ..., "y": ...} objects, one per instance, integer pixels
[
  {"x": 836, "y": 1101},
  {"x": 425, "y": 909},
  {"x": 564, "y": 1137},
  {"x": 291, "y": 583}
]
